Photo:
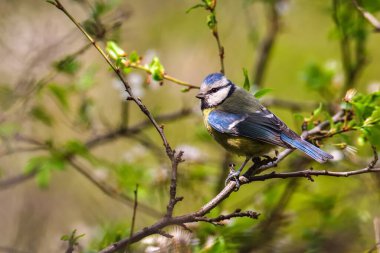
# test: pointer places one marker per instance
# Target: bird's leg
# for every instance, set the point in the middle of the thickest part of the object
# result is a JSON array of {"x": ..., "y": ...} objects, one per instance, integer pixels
[
  {"x": 234, "y": 174},
  {"x": 257, "y": 163},
  {"x": 267, "y": 159}
]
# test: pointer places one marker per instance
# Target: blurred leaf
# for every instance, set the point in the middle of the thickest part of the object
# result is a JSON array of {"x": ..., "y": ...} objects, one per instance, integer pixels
[
  {"x": 40, "y": 114},
  {"x": 109, "y": 234},
  {"x": 8, "y": 129},
  {"x": 100, "y": 8},
  {"x": 75, "y": 147},
  {"x": 65, "y": 238},
  {"x": 156, "y": 69},
  {"x": 247, "y": 84},
  {"x": 68, "y": 65},
  {"x": 43, "y": 178},
  {"x": 86, "y": 80},
  {"x": 317, "y": 111},
  {"x": 60, "y": 94},
  {"x": 7, "y": 97},
  {"x": 84, "y": 111},
  {"x": 317, "y": 77},
  {"x": 134, "y": 57},
  {"x": 262, "y": 92},
  {"x": 211, "y": 20}
]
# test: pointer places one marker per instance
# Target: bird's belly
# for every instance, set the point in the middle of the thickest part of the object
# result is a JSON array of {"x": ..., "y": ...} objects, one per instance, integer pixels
[
  {"x": 241, "y": 145},
  {"x": 235, "y": 144}
]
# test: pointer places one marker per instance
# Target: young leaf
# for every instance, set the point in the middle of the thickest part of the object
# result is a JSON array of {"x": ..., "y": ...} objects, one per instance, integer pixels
[
  {"x": 134, "y": 57},
  {"x": 40, "y": 114},
  {"x": 68, "y": 65},
  {"x": 60, "y": 94},
  {"x": 114, "y": 50},
  {"x": 317, "y": 111},
  {"x": 211, "y": 21},
  {"x": 43, "y": 178},
  {"x": 262, "y": 92},
  {"x": 195, "y": 7},
  {"x": 156, "y": 69},
  {"x": 247, "y": 84}
]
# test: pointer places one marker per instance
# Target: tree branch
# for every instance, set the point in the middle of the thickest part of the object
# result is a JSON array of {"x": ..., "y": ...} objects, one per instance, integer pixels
[
  {"x": 111, "y": 191},
  {"x": 265, "y": 49},
  {"x": 368, "y": 16}
]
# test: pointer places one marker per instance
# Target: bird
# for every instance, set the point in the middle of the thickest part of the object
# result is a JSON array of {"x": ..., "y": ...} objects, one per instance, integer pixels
[{"x": 243, "y": 126}]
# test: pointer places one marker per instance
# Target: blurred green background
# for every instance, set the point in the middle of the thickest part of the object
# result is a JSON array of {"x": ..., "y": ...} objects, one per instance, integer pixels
[{"x": 328, "y": 215}]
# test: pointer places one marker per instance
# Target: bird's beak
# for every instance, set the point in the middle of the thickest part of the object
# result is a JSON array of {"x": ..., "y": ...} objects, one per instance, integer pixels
[{"x": 200, "y": 95}]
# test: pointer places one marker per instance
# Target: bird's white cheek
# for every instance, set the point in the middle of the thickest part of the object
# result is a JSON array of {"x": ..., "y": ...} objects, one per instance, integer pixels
[{"x": 217, "y": 97}]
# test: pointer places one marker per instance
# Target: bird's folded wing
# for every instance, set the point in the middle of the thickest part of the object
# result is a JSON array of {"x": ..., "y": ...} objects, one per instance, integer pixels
[{"x": 261, "y": 125}]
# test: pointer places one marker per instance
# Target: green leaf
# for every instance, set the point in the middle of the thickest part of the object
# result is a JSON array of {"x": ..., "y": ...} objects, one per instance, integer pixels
[
  {"x": 40, "y": 114},
  {"x": 65, "y": 238},
  {"x": 156, "y": 69},
  {"x": 195, "y": 7},
  {"x": 43, "y": 178},
  {"x": 134, "y": 57},
  {"x": 33, "y": 164},
  {"x": 84, "y": 111},
  {"x": 60, "y": 94},
  {"x": 75, "y": 147},
  {"x": 114, "y": 50},
  {"x": 8, "y": 129},
  {"x": 7, "y": 97},
  {"x": 317, "y": 111},
  {"x": 87, "y": 79},
  {"x": 211, "y": 21},
  {"x": 262, "y": 92},
  {"x": 68, "y": 65},
  {"x": 374, "y": 118},
  {"x": 247, "y": 84}
]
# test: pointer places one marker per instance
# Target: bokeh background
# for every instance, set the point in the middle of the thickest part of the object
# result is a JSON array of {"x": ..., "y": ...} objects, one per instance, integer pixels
[{"x": 328, "y": 215}]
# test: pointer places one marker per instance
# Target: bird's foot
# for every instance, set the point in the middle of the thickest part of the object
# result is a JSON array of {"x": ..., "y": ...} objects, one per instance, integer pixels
[
  {"x": 267, "y": 159},
  {"x": 233, "y": 175}
]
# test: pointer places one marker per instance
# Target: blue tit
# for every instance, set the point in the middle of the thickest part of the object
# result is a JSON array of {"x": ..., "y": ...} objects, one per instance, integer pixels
[{"x": 238, "y": 122}]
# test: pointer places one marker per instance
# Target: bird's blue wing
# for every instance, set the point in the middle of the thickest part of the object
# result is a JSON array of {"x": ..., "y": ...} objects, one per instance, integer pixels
[
  {"x": 261, "y": 125},
  {"x": 266, "y": 127}
]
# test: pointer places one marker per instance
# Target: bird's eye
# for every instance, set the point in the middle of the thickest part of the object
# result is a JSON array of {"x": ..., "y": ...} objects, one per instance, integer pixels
[{"x": 214, "y": 89}]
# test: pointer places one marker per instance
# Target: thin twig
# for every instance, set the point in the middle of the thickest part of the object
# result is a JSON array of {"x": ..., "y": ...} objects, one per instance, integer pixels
[
  {"x": 117, "y": 71},
  {"x": 136, "y": 128},
  {"x": 173, "y": 186},
  {"x": 15, "y": 180},
  {"x": 165, "y": 76},
  {"x": 309, "y": 173},
  {"x": 237, "y": 213},
  {"x": 266, "y": 46},
  {"x": 368, "y": 16},
  {"x": 135, "y": 192},
  {"x": 215, "y": 33},
  {"x": 113, "y": 192}
]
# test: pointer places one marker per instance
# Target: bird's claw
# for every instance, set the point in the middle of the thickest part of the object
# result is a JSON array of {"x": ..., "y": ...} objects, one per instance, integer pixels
[{"x": 233, "y": 175}]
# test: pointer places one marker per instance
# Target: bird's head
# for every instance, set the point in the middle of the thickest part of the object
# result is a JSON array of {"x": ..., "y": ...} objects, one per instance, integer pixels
[{"x": 214, "y": 90}]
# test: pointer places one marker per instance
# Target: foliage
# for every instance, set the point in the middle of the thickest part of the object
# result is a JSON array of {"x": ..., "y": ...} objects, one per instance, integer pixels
[{"x": 73, "y": 120}]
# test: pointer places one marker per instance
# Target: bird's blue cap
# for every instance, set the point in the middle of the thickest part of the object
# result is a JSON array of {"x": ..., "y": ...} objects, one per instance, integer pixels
[{"x": 212, "y": 78}]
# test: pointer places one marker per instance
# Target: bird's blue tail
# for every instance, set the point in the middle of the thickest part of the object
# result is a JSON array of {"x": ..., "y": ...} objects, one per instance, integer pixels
[{"x": 308, "y": 148}]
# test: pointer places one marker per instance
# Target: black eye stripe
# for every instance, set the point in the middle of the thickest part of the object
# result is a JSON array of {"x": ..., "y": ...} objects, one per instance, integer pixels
[{"x": 213, "y": 90}]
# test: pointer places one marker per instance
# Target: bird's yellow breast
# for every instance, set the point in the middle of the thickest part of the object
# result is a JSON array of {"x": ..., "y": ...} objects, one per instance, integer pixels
[{"x": 239, "y": 145}]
